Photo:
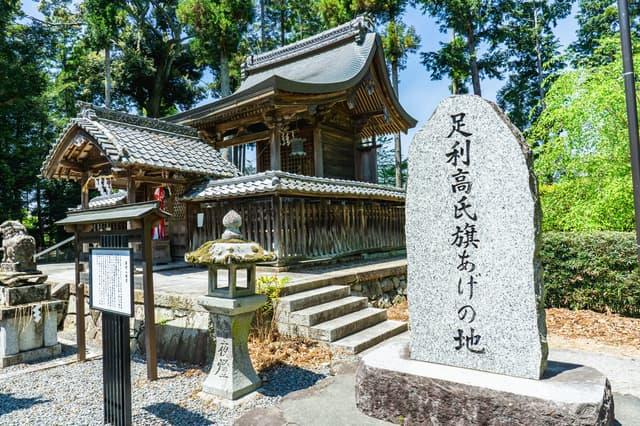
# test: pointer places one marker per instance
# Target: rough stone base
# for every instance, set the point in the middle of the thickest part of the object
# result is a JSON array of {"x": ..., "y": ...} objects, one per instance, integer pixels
[
  {"x": 30, "y": 356},
  {"x": 392, "y": 387}
]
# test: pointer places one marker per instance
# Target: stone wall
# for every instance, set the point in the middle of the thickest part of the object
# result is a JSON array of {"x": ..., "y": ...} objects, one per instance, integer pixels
[
  {"x": 383, "y": 292},
  {"x": 183, "y": 327},
  {"x": 384, "y": 287}
]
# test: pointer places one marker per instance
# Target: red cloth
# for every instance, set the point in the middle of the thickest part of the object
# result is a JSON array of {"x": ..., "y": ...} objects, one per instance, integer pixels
[{"x": 160, "y": 230}]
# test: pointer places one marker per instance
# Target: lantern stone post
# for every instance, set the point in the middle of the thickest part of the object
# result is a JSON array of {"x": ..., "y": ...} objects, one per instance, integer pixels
[{"x": 232, "y": 307}]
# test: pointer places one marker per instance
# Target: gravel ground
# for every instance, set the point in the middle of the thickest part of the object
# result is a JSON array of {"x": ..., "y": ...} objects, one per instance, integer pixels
[{"x": 72, "y": 395}]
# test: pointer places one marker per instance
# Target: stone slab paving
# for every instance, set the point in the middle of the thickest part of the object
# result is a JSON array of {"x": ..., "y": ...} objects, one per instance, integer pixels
[{"x": 192, "y": 281}]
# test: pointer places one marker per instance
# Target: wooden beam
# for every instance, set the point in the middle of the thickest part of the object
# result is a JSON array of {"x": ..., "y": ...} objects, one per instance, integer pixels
[
  {"x": 159, "y": 180},
  {"x": 246, "y": 138}
]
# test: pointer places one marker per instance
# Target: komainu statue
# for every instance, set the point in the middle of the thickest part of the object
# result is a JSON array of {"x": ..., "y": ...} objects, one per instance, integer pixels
[{"x": 18, "y": 248}]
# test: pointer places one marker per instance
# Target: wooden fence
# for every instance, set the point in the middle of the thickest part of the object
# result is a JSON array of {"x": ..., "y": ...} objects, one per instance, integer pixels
[{"x": 304, "y": 228}]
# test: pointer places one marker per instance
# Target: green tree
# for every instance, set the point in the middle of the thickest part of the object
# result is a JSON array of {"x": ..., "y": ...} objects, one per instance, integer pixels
[
  {"x": 103, "y": 19},
  {"x": 597, "y": 23},
  {"x": 534, "y": 58},
  {"x": 219, "y": 27},
  {"x": 582, "y": 152},
  {"x": 24, "y": 126},
  {"x": 477, "y": 23}
]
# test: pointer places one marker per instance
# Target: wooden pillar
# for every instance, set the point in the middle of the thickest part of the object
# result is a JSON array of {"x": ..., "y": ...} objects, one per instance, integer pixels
[
  {"x": 149, "y": 303},
  {"x": 80, "y": 326},
  {"x": 275, "y": 148},
  {"x": 84, "y": 197},
  {"x": 318, "y": 154},
  {"x": 374, "y": 160},
  {"x": 277, "y": 227},
  {"x": 358, "y": 155},
  {"x": 131, "y": 190}
]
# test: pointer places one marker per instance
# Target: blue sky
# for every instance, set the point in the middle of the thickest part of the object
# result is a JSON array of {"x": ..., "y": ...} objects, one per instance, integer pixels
[{"x": 418, "y": 94}]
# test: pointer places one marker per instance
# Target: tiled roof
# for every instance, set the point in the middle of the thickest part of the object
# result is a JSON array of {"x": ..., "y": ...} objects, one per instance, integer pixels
[
  {"x": 132, "y": 140},
  {"x": 293, "y": 184},
  {"x": 334, "y": 60}
]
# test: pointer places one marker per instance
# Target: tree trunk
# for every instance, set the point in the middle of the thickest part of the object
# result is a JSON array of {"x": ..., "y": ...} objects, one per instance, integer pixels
[
  {"x": 107, "y": 75},
  {"x": 471, "y": 47},
  {"x": 538, "y": 58},
  {"x": 262, "y": 30},
  {"x": 225, "y": 83},
  {"x": 396, "y": 137},
  {"x": 454, "y": 80},
  {"x": 282, "y": 25}
]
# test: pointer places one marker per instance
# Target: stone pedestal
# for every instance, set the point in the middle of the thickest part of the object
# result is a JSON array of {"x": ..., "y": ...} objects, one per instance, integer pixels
[
  {"x": 393, "y": 387},
  {"x": 232, "y": 375},
  {"x": 28, "y": 319}
]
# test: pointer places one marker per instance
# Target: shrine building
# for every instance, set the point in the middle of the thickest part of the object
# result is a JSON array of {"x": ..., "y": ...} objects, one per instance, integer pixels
[{"x": 293, "y": 150}]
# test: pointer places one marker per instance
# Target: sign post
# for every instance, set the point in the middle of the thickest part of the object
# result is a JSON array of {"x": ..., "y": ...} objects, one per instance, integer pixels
[{"x": 111, "y": 292}]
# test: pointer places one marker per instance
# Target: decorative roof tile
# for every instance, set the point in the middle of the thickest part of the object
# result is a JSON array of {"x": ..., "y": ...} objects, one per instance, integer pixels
[{"x": 288, "y": 183}]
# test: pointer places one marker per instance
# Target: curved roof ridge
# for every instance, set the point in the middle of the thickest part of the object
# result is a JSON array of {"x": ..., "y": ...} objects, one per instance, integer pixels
[{"x": 354, "y": 28}]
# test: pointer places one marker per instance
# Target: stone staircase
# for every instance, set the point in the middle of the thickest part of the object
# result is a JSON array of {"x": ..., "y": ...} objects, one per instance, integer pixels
[{"x": 326, "y": 312}]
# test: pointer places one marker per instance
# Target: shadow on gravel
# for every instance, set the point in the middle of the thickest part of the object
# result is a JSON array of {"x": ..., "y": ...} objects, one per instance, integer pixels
[
  {"x": 284, "y": 379},
  {"x": 176, "y": 415},
  {"x": 8, "y": 403}
]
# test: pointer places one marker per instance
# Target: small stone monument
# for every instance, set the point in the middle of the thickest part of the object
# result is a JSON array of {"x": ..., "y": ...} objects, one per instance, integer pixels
[
  {"x": 28, "y": 316},
  {"x": 232, "y": 306},
  {"x": 477, "y": 352}
]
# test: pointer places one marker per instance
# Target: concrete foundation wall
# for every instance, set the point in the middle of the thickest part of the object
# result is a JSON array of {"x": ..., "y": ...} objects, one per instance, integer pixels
[{"x": 183, "y": 328}]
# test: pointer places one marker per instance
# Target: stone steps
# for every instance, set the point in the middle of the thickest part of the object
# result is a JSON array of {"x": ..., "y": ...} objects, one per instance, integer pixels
[
  {"x": 306, "y": 299},
  {"x": 324, "y": 310},
  {"x": 327, "y": 311},
  {"x": 332, "y": 330},
  {"x": 358, "y": 342}
]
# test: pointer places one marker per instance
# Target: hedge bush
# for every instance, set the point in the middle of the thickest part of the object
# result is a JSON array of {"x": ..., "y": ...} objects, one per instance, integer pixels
[{"x": 594, "y": 270}]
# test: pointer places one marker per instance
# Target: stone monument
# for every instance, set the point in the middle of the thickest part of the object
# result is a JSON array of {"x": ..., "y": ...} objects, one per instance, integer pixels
[
  {"x": 232, "y": 307},
  {"x": 28, "y": 316},
  {"x": 477, "y": 352}
]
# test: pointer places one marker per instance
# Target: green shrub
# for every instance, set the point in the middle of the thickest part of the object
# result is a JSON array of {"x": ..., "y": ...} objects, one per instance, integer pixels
[
  {"x": 595, "y": 270},
  {"x": 270, "y": 286}
]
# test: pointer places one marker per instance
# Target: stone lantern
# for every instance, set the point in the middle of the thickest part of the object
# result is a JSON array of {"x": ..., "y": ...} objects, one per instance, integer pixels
[{"x": 232, "y": 307}]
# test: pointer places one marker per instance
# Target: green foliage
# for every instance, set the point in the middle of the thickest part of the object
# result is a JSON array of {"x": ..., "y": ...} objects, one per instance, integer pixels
[
  {"x": 270, "y": 286},
  {"x": 597, "y": 26},
  {"x": 386, "y": 163},
  {"x": 219, "y": 27},
  {"x": 534, "y": 59},
  {"x": 582, "y": 152},
  {"x": 596, "y": 271},
  {"x": 24, "y": 126},
  {"x": 473, "y": 22}
]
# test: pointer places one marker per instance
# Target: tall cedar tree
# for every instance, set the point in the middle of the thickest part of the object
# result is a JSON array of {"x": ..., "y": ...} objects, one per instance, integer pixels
[
  {"x": 477, "y": 22},
  {"x": 103, "y": 19},
  {"x": 598, "y": 29},
  {"x": 218, "y": 27},
  {"x": 533, "y": 53}
]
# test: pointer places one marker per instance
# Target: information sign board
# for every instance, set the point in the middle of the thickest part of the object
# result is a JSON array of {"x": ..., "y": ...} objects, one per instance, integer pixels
[{"x": 111, "y": 280}]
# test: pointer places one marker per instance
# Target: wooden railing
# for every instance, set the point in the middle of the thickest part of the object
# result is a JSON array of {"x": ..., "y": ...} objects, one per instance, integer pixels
[{"x": 304, "y": 228}]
